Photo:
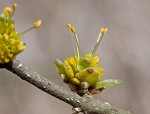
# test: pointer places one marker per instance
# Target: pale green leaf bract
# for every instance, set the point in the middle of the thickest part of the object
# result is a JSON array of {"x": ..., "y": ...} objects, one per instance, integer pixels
[
  {"x": 61, "y": 67},
  {"x": 107, "y": 83}
]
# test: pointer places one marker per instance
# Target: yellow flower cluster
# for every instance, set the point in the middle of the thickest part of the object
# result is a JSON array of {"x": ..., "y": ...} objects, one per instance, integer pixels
[
  {"x": 10, "y": 43},
  {"x": 73, "y": 67}
]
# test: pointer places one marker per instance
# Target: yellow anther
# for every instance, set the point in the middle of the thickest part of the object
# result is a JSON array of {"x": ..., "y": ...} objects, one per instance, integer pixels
[
  {"x": 2, "y": 56},
  {"x": 1, "y": 52},
  {"x": 70, "y": 73},
  {"x": 7, "y": 11},
  {"x": 66, "y": 62},
  {"x": 10, "y": 55},
  {"x": 73, "y": 29},
  {"x": 12, "y": 27},
  {"x": 5, "y": 37},
  {"x": 104, "y": 30},
  {"x": 69, "y": 67},
  {"x": 12, "y": 41},
  {"x": 21, "y": 43},
  {"x": 15, "y": 6},
  {"x": 69, "y": 27},
  {"x": 37, "y": 24},
  {"x": 76, "y": 75},
  {"x": 21, "y": 48},
  {"x": 75, "y": 81},
  {"x": 1, "y": 36},
  {"x": 6, "y": 60},
  {"x": 96, "y": 59},
  {"x": 101, "y": 70},
  {"x": 88, "y": 55},
  {"x": 71, "y": 61},
  {"x": 5, "y": 25}
]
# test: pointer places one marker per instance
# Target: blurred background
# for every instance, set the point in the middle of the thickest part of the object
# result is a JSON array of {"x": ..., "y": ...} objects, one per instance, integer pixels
[{"x": 124, "y": 52}]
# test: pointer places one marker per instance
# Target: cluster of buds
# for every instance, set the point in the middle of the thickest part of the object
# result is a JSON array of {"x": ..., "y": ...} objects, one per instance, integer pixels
[
  {"x": 82, "y": 74},
  {"x": 10, "y": 43}
]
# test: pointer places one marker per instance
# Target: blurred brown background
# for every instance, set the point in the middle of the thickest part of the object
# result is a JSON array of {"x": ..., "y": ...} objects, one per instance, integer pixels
[{"x": 124, "y": 51}]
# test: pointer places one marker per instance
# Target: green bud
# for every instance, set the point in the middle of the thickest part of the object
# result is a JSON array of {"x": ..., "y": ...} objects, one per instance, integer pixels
[{"x": 89, "y": 75}]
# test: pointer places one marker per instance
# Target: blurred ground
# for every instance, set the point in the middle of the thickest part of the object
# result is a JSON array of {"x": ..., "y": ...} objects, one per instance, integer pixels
[{"x": 124, "y": 52}]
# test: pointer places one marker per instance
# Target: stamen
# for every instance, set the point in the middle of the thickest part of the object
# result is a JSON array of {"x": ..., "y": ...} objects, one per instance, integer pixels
[
  {"x": 36, "y": 24},
  {"x": 74, "y": 38},
  {"x": 100, "y": 37},
  {"x": 104, "y": 30},
  {"x": 77, "y": 44},
  {"x": 73, "y": 30},
  {"x": 69, "y": 28},
  {"x": 15, "y": 6},
  {"x": 7, "y": 11}
]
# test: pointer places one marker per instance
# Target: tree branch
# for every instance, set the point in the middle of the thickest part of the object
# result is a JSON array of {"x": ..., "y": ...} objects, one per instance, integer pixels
[{"x": 87, "y": 103}]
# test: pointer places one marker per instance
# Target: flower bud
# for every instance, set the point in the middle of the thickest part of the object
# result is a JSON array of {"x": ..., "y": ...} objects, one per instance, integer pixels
[
  {"x": 7, "y": 11},
  {"x": 37, "y": 24},
  {"x": 89, "y": 75}
]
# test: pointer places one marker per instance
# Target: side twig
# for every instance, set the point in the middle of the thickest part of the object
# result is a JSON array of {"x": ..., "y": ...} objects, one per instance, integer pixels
[{"x": 87, "y": 104}]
